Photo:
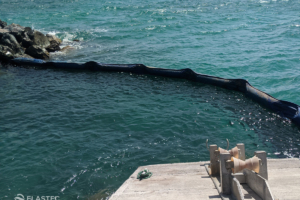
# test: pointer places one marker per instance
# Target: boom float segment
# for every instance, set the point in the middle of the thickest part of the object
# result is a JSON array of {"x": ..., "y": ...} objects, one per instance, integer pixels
[{"x": 284, "y": 108}]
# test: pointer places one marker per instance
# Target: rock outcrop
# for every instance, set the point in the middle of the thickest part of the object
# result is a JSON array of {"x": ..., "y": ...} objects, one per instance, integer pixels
[
  {"x": 2, "y": 24},
  {"x": 5, "y": 53},
  {"x": 18, "y": 41},
  {"x": 10, "y": 41},
  {"x": 54, "y": 43},
  {"x": 37, "y": 52},
  {"x": 40, "y": 39}
]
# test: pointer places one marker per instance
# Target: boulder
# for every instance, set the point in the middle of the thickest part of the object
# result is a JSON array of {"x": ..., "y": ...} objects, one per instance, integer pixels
[
  {"x": 6, "y": 53},
  {"x": 2, "y": 31},
  {"x": 11, "y": 42},
  {"x": 14, "y": 26},
  {"x": 53, "y": 47},
  {"x": 26, "y": 41},
  {"x": 19, "y": 34},
  {"x": 2, "y": 24},
  {"x": 15, "y": 39},
  {"x": 17, "y": 31},
  {"x": 54, "y": 43},
  {"x": 53, "y": 38},
  {"x": 29, "y": 32},
  {"x": 37, "y": 52},
  {"x": 40, "y": 39}
]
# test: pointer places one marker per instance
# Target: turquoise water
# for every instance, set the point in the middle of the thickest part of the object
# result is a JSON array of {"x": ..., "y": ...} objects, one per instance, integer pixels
[{"x": 79, "y": 135}]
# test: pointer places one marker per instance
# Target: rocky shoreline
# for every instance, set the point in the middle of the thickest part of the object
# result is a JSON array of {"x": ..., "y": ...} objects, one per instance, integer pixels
[{"x": 17, "y": 41}]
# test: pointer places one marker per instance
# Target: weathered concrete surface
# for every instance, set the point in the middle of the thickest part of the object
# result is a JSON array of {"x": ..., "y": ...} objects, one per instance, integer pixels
[
  {"x": 191, "y": 181},
  {"x": 284, "y": 178},
  {"x": 169, "y": 181}
]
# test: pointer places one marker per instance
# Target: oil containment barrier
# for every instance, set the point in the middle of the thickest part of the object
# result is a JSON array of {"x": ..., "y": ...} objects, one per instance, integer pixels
[{"x": 285, "y": 109}]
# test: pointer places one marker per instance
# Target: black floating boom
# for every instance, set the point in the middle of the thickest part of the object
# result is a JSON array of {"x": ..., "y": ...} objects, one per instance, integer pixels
[{"x": 284, "y": 108}]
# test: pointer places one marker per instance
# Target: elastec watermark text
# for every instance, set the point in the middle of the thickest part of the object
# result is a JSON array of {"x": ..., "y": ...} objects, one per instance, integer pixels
[{"x": 22, "y": 197}]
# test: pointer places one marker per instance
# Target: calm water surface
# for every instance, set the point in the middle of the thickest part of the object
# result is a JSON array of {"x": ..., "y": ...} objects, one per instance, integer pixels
[{"x": 81, "y": 134}]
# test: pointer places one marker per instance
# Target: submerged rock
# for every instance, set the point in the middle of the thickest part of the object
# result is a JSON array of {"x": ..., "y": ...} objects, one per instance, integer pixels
[
  {"x": 67, "y": 48},
  {"x": 37, "y": 52}
]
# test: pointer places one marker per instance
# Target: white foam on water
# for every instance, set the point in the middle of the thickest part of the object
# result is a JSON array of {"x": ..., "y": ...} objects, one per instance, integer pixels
[
  {"x": 261, "y": 1},
  {"x": 150, "y": 28},
  {"x": 53, "y": 33},
  {"x": 68, "y": 40},
  {"x": 99, "y": 30},
  {"x": 161, "y": 10},
  {"x": 57, "y": 53},
  {"x": 68, "y": 37}
]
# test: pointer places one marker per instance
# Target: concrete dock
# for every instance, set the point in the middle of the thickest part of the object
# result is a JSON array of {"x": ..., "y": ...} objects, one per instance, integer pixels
[{"x": 192, "y": 181}]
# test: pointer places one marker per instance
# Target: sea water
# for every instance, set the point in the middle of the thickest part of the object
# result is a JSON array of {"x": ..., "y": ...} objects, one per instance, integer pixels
[{"x": 81, "y": 134}]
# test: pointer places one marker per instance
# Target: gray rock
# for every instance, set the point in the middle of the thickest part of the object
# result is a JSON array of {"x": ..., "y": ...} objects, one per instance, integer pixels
[
  {"x": 2, "y": 31},
  {"x": 14, "y": 28},
  {"x": 40, "y": 39},
  {"x": 37, "y": 52},
  {"x": 53, "y": 38},
  {"x": 54, "y": 43},
  {"x": 11, "y": 42},
  {"x": 54, "y": 46},
  {"x": 2, "y": 24},
  {"x": 17, "y": 31},
  {"x": 19, "y": 35},
  {"x": 29, "y": 32},
  {"x": 6, "y": 53},
  {"x": 14, "y": 39},
  {"x": 26, "y": 41}
]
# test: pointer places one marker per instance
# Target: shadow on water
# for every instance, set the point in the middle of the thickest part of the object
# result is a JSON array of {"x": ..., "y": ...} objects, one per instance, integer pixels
[{"x": 90, "y": 130}]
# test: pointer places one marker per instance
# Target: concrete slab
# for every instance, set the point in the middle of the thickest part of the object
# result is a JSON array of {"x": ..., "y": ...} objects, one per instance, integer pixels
[
  {"x": 169, "y": 181},
  {"x": 191, "y": 181},
  {"x": 284, "y": 178}
]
